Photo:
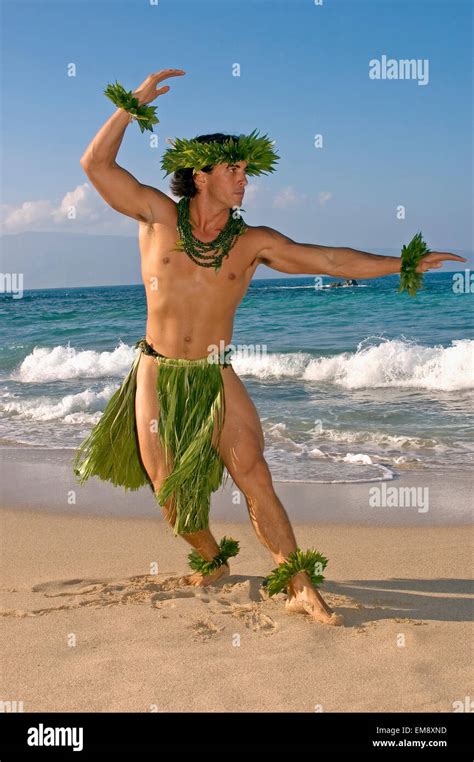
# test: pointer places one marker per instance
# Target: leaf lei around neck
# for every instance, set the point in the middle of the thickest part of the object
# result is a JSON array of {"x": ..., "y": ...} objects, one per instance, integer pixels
[{"x": 220, "y": 246}]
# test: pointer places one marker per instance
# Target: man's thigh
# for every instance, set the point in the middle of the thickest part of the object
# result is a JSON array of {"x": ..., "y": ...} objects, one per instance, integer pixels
[
  {"x": 147, "y": 412},
  {"x": 242, "y": 441}
]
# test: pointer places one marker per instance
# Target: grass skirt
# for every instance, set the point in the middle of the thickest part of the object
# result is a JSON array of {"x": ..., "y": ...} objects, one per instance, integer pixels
[{"x": 191, "y": 397}]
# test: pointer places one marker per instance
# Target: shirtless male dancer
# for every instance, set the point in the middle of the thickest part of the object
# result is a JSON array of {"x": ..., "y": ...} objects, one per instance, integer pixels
[{"x": 194, "y": 308}]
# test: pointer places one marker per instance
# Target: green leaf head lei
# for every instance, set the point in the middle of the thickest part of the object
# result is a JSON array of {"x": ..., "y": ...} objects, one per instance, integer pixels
[{"x": 256, "y": 150}]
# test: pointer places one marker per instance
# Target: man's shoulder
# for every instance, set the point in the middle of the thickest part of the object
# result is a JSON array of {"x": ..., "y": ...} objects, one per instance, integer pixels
[
  {"x": 260, "y": 230},
  {"x": 251, "y": 242},
  {"x": 262, "y": 237},
  {"x": 264, "y": 233},
  {"x": 163, "y": 209}
]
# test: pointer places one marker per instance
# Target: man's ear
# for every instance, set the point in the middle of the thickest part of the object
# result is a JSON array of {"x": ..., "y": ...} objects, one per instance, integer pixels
[{"x": 199, "y": 178}]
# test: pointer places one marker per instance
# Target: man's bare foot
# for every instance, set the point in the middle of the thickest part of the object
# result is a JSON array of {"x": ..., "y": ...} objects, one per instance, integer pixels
[
  {"x": 198, "y": 579},
  {"x": 309, "y": 601}
]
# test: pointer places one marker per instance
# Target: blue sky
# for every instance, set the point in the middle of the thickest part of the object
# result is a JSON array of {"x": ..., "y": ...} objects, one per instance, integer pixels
[{"x": 304, "y": 70}]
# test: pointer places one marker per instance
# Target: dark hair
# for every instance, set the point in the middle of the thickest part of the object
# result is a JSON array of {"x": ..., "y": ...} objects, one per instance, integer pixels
[{"x": 182, "y": 183}]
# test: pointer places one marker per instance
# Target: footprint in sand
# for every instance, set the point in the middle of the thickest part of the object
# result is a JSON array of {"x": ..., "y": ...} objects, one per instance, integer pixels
[
  {"x": 96, "y": 593},
  {"x": 240, "y": 598},
  {"x": 239, "y": 602},
  {"x": 254, "y": 619},
  {"x": 205, "y": 629},
  {"x": 156, "y": 590}
]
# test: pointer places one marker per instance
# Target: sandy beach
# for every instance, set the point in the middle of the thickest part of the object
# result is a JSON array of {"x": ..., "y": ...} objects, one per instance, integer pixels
[{"x": 96, "y": 619}]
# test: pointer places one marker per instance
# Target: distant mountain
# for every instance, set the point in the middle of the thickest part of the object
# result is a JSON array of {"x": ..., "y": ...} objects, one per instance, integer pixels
[{"x": 56, "y": 260}]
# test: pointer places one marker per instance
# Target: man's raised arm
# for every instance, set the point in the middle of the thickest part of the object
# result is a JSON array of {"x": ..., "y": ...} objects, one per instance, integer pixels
[
  {"x": 120, "y": 189},
  {"x": 285, "y": 255}
]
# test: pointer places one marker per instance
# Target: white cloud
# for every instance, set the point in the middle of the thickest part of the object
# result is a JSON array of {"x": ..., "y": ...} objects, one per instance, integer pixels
[
  {"x": 252, "y": 191},
  {"x": 81, "y": 210},
  {"x": 324, "y": 197},
  {"x": 81, "y": 202},
  {"x": 28, "y": 215},
  {"x": 288, "y": 197}
]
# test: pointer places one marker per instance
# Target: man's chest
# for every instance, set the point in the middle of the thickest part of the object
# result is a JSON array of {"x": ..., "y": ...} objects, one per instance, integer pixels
[{"x": 161, "y": 257}]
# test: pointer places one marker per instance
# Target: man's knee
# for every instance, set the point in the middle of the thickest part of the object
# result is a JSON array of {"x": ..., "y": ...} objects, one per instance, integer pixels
[
  {"x": 168, "y": 508},
  {"x": 255, "y": 476},
  {"x": 159, "y": 473}
]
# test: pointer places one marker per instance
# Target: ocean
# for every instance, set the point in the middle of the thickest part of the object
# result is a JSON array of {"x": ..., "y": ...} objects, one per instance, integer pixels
[{"x": 352, "y": 384}]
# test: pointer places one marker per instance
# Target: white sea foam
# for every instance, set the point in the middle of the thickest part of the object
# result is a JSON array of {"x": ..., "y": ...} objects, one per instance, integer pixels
[
  {"x": 398, "y": 363},
  {"x": 391, "y": 363},
  {"x": 358, "y": 457},
  {"x": 83, "y": 407},
  {"x": 61, "y": 363},
  {"x": 315, "y": 452},
  {"x": 377, "y": 438}
]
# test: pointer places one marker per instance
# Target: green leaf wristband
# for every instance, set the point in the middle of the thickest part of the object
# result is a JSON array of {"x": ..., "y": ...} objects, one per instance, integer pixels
[
  {"x": 410, "y": 279},
  {"x": 145, "y": 115}
]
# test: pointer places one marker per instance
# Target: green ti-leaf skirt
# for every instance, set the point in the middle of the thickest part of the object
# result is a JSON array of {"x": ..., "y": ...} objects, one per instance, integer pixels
[{"x": 191, "y": 398}]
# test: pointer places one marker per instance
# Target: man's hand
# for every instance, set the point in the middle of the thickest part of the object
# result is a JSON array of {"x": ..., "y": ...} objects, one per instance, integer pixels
[
  {"x": 147, "y": 91},
  {"x": 434, "y": 260}
]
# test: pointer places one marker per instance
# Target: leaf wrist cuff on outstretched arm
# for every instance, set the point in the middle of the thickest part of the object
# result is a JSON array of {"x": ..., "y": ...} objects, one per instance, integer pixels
[{"x": 410, "y": 279}]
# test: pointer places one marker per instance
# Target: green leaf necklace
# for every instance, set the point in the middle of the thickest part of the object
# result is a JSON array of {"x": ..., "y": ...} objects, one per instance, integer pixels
[{"x": 221, "y": 245}]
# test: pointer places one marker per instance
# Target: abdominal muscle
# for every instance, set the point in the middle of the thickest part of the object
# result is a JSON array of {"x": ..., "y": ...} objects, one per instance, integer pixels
[{"x": 180, "y": 335}]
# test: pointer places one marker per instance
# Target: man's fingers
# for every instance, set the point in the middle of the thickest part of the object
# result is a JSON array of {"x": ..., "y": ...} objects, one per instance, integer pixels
[
  {"x": 432, "y": 261},
  {"x": 448, "y": 255},
  {"x": 165, "y": 73}
]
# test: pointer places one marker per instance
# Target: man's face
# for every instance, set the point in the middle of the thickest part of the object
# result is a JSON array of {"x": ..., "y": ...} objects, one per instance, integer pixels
[{"x": 226, "y": 183}]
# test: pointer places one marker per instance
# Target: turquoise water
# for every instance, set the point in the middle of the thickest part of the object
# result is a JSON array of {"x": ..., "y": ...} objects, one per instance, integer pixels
[{"x": 351, "y": 383}]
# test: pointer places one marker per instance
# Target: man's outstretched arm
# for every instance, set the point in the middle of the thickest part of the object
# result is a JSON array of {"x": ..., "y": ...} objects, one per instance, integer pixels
[
  {"x": 119, "y": 188},
  {"x": 285, "y": 255}
]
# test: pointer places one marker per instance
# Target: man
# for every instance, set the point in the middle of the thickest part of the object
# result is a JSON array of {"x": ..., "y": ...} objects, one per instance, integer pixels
[{"x": 192, "y": 307}]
